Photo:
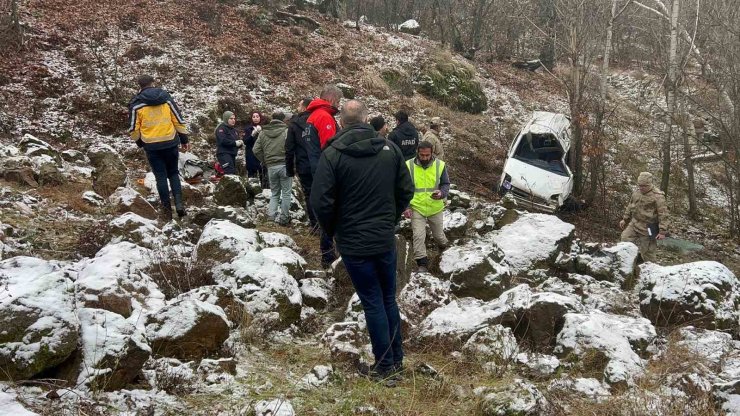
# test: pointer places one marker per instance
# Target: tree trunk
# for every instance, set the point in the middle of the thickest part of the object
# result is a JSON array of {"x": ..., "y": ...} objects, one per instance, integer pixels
[
  {"x": 670, "y": 98},
  {"x": 689, "y": 133}
]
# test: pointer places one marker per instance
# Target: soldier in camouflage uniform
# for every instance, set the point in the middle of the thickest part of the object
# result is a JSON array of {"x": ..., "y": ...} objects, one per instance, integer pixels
[{"x": 647, "y": 206}]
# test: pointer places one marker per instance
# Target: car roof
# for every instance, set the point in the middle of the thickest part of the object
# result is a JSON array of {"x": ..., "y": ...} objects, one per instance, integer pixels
[{"x": 543, "y": 122}]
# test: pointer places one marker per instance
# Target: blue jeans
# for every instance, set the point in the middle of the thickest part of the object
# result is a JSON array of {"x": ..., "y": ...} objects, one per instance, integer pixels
[
  {"x": 374, "y": 279},
  {"x": 164, "y": 166},
  {"x": 281, "y": 186}
]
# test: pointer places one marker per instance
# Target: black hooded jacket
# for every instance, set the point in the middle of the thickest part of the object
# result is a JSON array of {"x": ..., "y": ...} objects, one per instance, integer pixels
[
  {"x": 406, "y": 137},
  {"x": 296, "y": 147},
  {"x": 360, "y": 189}
]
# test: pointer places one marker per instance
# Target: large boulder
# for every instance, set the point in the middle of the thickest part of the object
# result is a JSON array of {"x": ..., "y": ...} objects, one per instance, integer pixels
[
  {"x": 126, "y": 199},
  {"x": 494, "y": 343},
  {"x": 411, "y": 26},
  {"x": 345, "y": 341},
  {"x": 32, "y": 146},
  {"x": 239, "y": 216},
  {"x": 594, "y": 294},
  {"x": 110, "y": 172},
  {"x": 187, "y": 329},
  {"x": 272, "y": 296},
  {"x": 39, "y": 326},
  {"x": 136, "y": 229},
  {"x": 614, "y": 264},
  {"x": 474, "y": 270},
  {"x": 704, "y": 293},
  {"x": 520, "y": 398},
  {"x": 533, "y": 241},
  {"x": 113, "y": 350},
  {"x": 114, "y": 280},
  {"x": 405, "y": 262},
  {"x": 423, "y": 294},
  {"x": 621, "y": 340},
  {"x": 455, "y": 224},
  {"x": 315, "y": 292},
  {"x": 292, "y": 261},
  {"x": 223, "y": 240},
  {"x": 221, "y": 296},
  {"x": 231, "y": 191},
  {"x": 457, "y": 321},
  {"x": 48, "y": 172}
]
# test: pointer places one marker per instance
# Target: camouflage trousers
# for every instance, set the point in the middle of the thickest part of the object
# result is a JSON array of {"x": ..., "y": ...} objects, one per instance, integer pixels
[{"x": 646, "y": 244}]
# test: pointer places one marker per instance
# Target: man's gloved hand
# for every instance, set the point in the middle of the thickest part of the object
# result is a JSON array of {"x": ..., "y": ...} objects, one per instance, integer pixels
[
  {"x": 140, "y": 143},
  {"x": 437, "y": 194},
  {"x": 407, "y": 213},
  {"x": 239, "y": 143}
]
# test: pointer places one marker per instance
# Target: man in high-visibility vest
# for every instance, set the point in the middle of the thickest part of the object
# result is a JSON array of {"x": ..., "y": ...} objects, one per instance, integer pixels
[{"x": 431, "y": 185}]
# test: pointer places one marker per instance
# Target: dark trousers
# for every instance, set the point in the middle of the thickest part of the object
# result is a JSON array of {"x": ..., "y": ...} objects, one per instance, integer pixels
[
  {"x": 261, "y": 173},
  {"x": 227, "y": 162},
  {"x": 306, "y": 182},
  {"x": 326, "y": 244},
  {"x": 164, "y": 166},
  {"x": 374, "y": 279}
]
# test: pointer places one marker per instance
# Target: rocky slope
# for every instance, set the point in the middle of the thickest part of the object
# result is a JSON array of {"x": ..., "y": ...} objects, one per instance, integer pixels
[{"x": 106, "y": 309}]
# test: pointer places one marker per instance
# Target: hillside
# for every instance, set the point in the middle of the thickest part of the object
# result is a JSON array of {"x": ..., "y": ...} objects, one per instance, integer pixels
[{"x": 113, "y": 311}]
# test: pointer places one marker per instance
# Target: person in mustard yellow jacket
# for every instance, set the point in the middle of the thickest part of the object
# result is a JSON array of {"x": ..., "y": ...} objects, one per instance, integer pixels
[
  {"x": 155, "y": 123},
  {"x": 431, "y": 186}
]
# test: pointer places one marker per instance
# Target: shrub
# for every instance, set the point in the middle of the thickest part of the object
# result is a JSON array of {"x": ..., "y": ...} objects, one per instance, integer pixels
[
  {"x": 93, "y": 238},
  {"x": 176, "y": 275},
  {"x": 453, "y": 84}
]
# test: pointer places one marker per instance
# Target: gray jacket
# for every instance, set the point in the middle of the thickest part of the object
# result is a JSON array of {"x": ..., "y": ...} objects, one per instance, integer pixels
[{"x": 270, "y": 145}]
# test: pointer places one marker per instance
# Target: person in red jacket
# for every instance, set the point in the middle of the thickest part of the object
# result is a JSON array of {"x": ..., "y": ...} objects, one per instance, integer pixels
[
  {"x": 322, "y": 111},
  {"x": 320, "y": 128}
]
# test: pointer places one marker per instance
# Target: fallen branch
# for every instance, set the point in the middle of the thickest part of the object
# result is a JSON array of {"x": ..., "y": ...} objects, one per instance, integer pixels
[{"x": 311, "y": 23}]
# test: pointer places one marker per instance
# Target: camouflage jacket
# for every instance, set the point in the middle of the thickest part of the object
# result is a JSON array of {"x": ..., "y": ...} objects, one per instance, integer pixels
[
  {"x": 437, "y": 150},
  {"x": 645, "y": 209}
]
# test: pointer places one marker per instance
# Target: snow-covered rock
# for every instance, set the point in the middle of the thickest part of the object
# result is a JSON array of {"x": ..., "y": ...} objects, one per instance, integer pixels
[
  {"x": 93, "y": 199},
  {"x": 221, "y": 296},
  {"x": 410, "y": 26},
  {"x": 519, "y": 398},
  {"x": 586, "y": 387},
  {"x": 474, "y": 270},
  {"x": 622, "y": 340},
  {"x": 494, "y": 343},
  {"x": 114, "y": 280},
  {"x": 223, "y": 240},
  {"x": 459, "y": 319},
  {"x": 136, "y": 229},
  {"x": 9, "y": 404},
  {"x": 423, "y": 294},
  {"x": 232, "y": 192},
  {"x": 271, "y": 295},
  {"x": 315, "y": 292},
  {"x": 345, "y": 341},
  {"x": 126, "y": 199},
  {"x": 110, "y": 172},
  {"x": 285, "y": 256},
  {"x": 187, "y": 329},
  {"x": 455, "y": 224},
  {"x": 319, "y": 375},
  {"x": 594, "y": 294},
  {"x": 458, "y": 199},
  {"x": 278, "y": 240},
  {"x": 539, "y": 315},
  {"x": 712, "y": 346},
  {"x": 74, "y": 156},
  {"x": 113, "y": 350},
  {"x": 239, "y": 216},
  {"x": 32, "y": 146},
  {"x": 615, "y": 264},
  {"x": 215, "y": 371},
  {"x": 533, "y": 240},
  {"x": 39, "y": 329},
  {"x": 538, "y": 365},
  {"x": 704, "y": 293},
  {"x": 275, "y": 407}
]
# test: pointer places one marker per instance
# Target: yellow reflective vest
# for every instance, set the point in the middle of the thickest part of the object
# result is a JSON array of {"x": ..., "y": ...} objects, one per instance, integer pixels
[
  {"x": 426, "y": 181},
  {"x": 156, "y": 123}
]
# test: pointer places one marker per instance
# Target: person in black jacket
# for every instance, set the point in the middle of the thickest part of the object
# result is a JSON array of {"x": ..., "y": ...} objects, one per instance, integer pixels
[
  {"x": 405, "y": 135},
  {"x": 255, "y": 169},
  {"x": 361, "y": 187},
  {"x": 227, "y": 143},
  {"x": 296, "y": 154}
]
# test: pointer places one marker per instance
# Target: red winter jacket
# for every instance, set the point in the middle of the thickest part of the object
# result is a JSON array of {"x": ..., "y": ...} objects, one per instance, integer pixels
[{"x": 322, "y": 118}]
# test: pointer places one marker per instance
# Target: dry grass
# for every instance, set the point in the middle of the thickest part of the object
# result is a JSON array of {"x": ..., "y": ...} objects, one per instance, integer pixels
[
  {"x": 175, "y": 275},
  {"x": 373, "y": 84}
]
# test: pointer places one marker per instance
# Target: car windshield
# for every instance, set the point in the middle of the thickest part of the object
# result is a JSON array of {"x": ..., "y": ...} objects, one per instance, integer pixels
[{"x": 543, "y": 151}]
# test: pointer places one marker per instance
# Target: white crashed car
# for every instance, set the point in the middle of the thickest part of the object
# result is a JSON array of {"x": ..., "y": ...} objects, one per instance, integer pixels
[{"x": 536, "y": 171}]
